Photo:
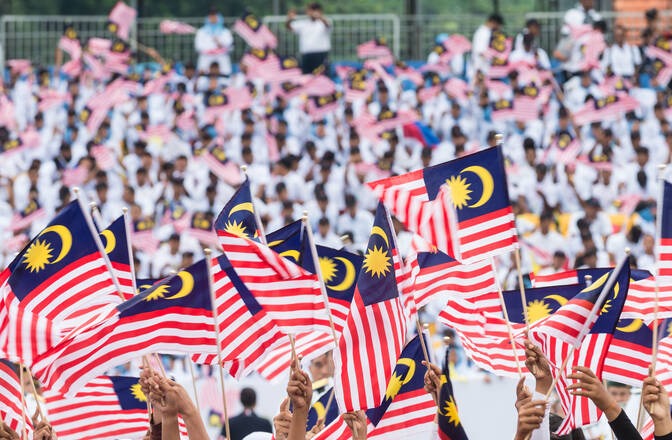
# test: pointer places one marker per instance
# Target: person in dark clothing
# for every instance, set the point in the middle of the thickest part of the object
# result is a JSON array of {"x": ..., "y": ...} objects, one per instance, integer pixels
[{"x": 247, "y": 422}]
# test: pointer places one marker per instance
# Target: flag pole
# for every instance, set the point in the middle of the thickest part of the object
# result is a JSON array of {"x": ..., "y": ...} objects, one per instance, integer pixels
[
  {"x": 95, "y": 213},
  {"x": 318, "y": 271},
  {"x": 215, "y": 319},
  {"x": 131, "y": 261},
  {"x": 34, "y": 391},
  {"x": 24, "y": 433},
  {"x": 96, "y": 239},
  {"x": 193, "y": 383},
  {"x": 262, "y": 234},
  {"x": 659, "y": 230},
  {"x": 521, "y": 286},
  {"x": 506, "y": 317}
]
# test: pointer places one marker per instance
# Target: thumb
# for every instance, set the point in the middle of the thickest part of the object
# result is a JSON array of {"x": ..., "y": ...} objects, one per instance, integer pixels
[
  {"x": 284, "y": 406},
  {"x": 521, "y": 384}
]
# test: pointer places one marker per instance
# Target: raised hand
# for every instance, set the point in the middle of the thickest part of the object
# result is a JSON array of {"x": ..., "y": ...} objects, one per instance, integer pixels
[
  {"x": 590, "y": 386},
  {"x": 536, "y": 362},
  {"x": 657, "y": 404},
  {"x": 522, "y": 393},
  {"x": 282, "y": 421},
  {"x": 7, "y": 433},
  {"x": 356, "y": 421},
  {"x": 299, "y": 388},
  {"x": 43, "y": 431},
  {"x": 530, "y": 415},
  {"x": 432, "y": 380}
]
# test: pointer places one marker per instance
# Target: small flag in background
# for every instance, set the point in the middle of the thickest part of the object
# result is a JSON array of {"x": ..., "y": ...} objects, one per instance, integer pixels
[
  {"x": 121, "y": 19},
  {"x": 10, "y": 397},
  {"x": 665, "y": 240},
  {"x": 254, "y": 32},
  {"x": 176, "y": 27},
  {"x": 374, "y": 49},
  {"x": 422, "y": 133}
]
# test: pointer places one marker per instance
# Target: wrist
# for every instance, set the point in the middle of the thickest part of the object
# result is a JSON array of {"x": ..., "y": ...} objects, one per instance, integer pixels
[
  {"x": 662, "y": 427},
  {"x": 543, "y": 385},
  {"x": 612, "y": 411}
]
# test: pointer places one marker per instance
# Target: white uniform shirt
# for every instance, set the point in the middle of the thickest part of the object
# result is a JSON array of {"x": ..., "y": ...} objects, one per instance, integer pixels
[{"x": 313, "y": 35}]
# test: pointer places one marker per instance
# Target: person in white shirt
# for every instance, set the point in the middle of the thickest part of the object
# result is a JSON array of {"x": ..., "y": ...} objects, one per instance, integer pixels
[
  {"x": 621, "y": 58},
  {"x": 481, "y": 42},
  {"x": 314, "y": 38},
  {"x": 354, "y": 220},
  {"x": 325, "y": 237},
  {"x": 213, "y": 43}
]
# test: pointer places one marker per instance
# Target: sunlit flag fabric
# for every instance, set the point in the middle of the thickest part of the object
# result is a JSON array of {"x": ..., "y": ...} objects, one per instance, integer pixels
[
  {"x": 450, "y": 426},
  {"x": 115, "y": 240},
  {"x": 665, "y": 243},
  {"x": 407, "y": 409},
  {"x": 477, "y": 182},
  {"x": 249, "y": 333},
  {"x": 237, "y": 217},
  {"x": 120, "y": 20},
  {"x": 173, "y": 316},
  {"x": 629, "y": 354},
  {"x": 108, "y": 407},
  {"x": 376, "y": 325},
  {"x": 57, "y": 283},
  {"x": 10, "y": 396}
]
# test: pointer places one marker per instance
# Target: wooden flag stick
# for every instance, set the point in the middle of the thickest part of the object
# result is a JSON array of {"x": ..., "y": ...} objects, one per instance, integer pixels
[
  {"x": 506, "y": 318},
  {"x": 659, "y": 230},
  {"x": 318, "y": 271},
  {"x": 193, "y": 383},
  {"x": 34, "y": 391},
  {"x": 521, "y": 285},
  {"x": 24, "y": 433},
  {"x": 292, "y": 344},
  {"x": 215, "y": 319}
]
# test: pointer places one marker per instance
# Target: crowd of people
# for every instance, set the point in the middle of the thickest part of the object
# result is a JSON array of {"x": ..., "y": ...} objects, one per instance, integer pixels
[{"x": 582, "y": 192}]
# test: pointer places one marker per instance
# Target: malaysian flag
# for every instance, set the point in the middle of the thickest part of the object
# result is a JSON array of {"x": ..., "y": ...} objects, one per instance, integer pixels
[
  {"x": 71, "y": 45},
  {"x": 664, "y": 248},
  {"x": 319, "y": 410},
  {"x": 200, "y": 228},
  {"x": 583, "y": 329},
  {"x": 260, "y": 63},
  {"x": 105, "y": 159},
  {"x": 458, "y": 89},
  {"x": 108, "y": 407},
  {"x": 250, "y": 333},
  {"x": 374, "y": 49},
  {"x": 629, "y": 354},
  {"x": 142, "y": 236},
  {"x": 121, "y": 19},
  {"x": 238, "y": 218},
  {"x": 289, "y": 70},
  {"x": 275, "y": 366},
  {"x": 220, "y": 165},
  {"x": 320, "y": 106},
  {"x": 579, "y": 276},
  {"x": 376, "y": 326},
  {"x": 358, "y": 86},
  {"x": 10, "y": 397},
  {"x": 58, "y": 282},
  {"x": 23, "y": 219},
  {"x": 485, "y": 223},
  {"x": 450, "y": 426},
  {"x": 175, "y": 27},
  {"x": 254, "y": 32},
  {"x": 115, "y": 241},
  {"x": 502, "y": 110},
  {"x": 566, "y": 147},
  {"x": 173, "y": 316},
  {"x": 407, "y": 409},
  {"x": 639, "y": 304},
  {"x": 455, "y": 45},
  {"x": 611, "y": 106},
  {"x": 176, "y": 215}
]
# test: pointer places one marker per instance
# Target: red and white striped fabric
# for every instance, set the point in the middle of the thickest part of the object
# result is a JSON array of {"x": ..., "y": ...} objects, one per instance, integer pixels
[
  {"x": 373, "y": 49},
  {"x": 175, "y": 27},
  {"x": 289, "y": 294},
  {"x": 75, "y": 176},
  {"x": 254, "y": 32},
  {"x": 145, "y": 241},
  {"x": 228, "y": 171},
  {"x": 10, "y": 398},
  {"x": 640, "y": 302},
  {"x": 249, "y": 333},
  {"x": 308, "y": 345},
  {"x": 71, "y": 46},
  {"x": 458, "y": 89},
  {"x": 336, "y": 430},
  {"x": 627, "y": 362},
  {"x": 525, "y": 108},
  {"x": 449, "y": 278},
  {"x": 20, "y": 221},
  {"x": 96, "y": 412},
  {"x": 104, "y": 157},
  {"x": 122, "y": 16},
  {"x": 555, "y": 279}
]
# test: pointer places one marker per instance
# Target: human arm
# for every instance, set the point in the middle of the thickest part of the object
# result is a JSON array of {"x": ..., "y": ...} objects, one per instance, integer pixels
[
  {"x": 282, "y": 421},
  {"x": 531, "y": 414},
  {"x": 172, "y": 399},
  {"x": 7, "y": 433},
  {"x": 432, "y": 380},
  {"x": 43, "y": 431},
  {"x": 291, "y": 16},
  {"x": 300, "y": 392},
  {"x": 657, "y": 403},
  {"x": 588, "y": 385}
]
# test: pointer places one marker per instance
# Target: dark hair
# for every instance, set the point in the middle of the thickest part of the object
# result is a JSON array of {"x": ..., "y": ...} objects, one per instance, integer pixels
[
  {"x": 248, "y": 397},
  {"x": 532, "y": 22},
  {"x": 324, "y": 221},
  {"x": 497, "y": 18},
  {"x": 315, "y": 6}
]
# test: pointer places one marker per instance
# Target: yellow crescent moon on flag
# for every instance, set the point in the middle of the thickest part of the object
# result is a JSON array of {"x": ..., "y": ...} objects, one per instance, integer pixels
[
  {"x": 486, "y": 180},
  {"x": 292, "y": 253},
  {"x": 597, "y": 284},
  {"x": 377, "y": 230},
  {"x": 110, "y": 240},
  {"x": 635, "y": 325},
  {"x": 275, "y": 243},
  {"x": 349, "y": 278},
  {"x": 410, "y": 363},
  {"x": 66, "y": 240},
  {"x": 557, "y": 298},
  {"x": 187, "y": 285},
  {"x": 247, "y": 206}
]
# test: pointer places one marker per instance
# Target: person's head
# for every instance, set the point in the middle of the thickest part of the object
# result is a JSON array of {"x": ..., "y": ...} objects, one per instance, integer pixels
[
  {"x": 619, "y": 34},
  {"x": 322, "y": 367},
  {"x": 313, "y": 10},
  {"x": 586, "y": 80},
  {"x": 554, "y": 422},
  {"x": 587, "y": 4},
  {"x": 530, "y": 150},
  {"x": 651, "y": 16},
  {"x": 101, "y": 192},
  {"x": 620, "y": 392},
  {"x": 248, "y": 398},
  {"x": 642, "y": 156},
  {"x": 174, "y": 243},
  {"x": 545, "y": 221},
  {"x": 213, "y": 15},
  {"x": 533, "y": 27},
  {"x": 559, "y": 260},
  {"x": 248, "y": 156},
  {"x": 592, "y": 208},
  {"x": 495, "y": 21},
  {"x": 187, "y": 259},
  {"x": 648, "y": 243},
  {"x": 351, "y": 204},
  {"x": 323, "y": 226}
]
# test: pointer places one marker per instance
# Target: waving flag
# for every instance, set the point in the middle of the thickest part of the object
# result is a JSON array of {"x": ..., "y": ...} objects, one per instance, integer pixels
[
  {"x": 374, "y": 48},
  {"x": 477, "y": 182},
  {"x": 275, "y": 366},
  {"x": 319, "y": 410},
  {"x": 237, "y": 217},
  {"x": 629, "y": 354},
  {"x": 174, "y": 315},
  {"x": 10, "y": 397},
  {"x": 422, "y": 133},
  {"x": 320, "y": 106},
  {"x": 58, "y": 282},
  {"x": 121, "y": 19},
  {"x": 407, "y": 409},
  {"x": 108, "y": 407},
  {"x": 376, "y": 326},
  {"x": 254, "y": 32},
  {"x": 31, "y": 213},
  {"x": 221, "y": 165},
  {"x": 175, "y": 27},
  {"x": 595, "y": 110},
  {"x": 450, "y": 426},
  {"x": 665, "y": 240}
]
